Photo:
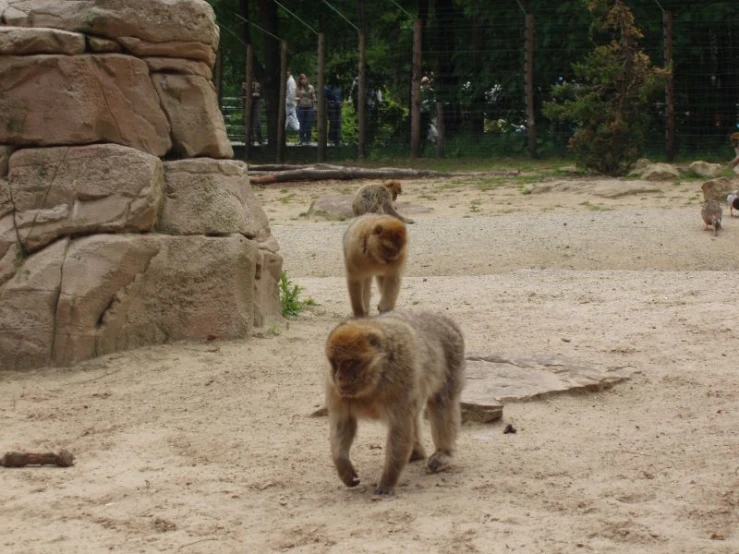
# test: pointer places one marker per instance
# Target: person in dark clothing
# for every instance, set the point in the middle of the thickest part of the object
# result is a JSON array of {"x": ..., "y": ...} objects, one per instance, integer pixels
[{"x": 332, "y": 93}]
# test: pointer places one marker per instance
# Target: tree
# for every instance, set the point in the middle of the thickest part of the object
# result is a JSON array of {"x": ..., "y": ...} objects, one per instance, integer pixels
[{"x": 613, "y": 87}]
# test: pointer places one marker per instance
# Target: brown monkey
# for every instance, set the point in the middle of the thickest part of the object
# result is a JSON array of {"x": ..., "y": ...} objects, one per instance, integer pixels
[
  {"x": 735, "y": 145},
  {"x": 390, "y": 367},
  {"x": 374, "y": 246},
  {"x": 378, "y": 199}
]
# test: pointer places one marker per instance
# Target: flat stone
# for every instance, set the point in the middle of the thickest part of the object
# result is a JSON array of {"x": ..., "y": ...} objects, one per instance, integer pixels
[
  {"x": 20, "y": 41},
  {"x": 146, "y": 27},
  {"x": 211, "y": 197},
  {"x": 267, "y": 306},
  {"x": 51, "y": 100},
  {"x": 660, "y": 172},
  {"x": 78, "y": 190},
  {"x": 27, "y": 309},
  {"x": 491, "y": 378},
  {"x": 179, "y": 65},
  {"x": 191, "y": 105}
]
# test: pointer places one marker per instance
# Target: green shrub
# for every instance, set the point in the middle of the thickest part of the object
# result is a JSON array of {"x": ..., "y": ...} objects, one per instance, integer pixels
[
  {"x": 608, "y": 101},
  {"x": 290, "y": 300}
]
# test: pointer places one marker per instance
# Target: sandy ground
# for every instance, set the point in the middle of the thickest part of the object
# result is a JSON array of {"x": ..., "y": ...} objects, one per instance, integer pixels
[{"x": 208, "y": 447}]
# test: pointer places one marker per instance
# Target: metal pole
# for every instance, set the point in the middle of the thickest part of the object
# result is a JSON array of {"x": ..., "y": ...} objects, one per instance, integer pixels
[
  {"x": 416, "y": 91},
  {"x": 669, "y": 87},
  {"x": 362, "y": 98},
  {"x": 248, "y": 100},
  {"x": 321, "y": 97},
  {"x": 529, "y": 84},
  {"x": 281, "y": 105}
]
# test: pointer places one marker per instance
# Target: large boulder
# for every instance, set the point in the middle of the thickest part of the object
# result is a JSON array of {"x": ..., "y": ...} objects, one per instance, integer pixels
[
  {"x": 5, "y": 152},
  {"x": 24, "y": 41},
  {"x": 178, "y": 65},
  {"x": 79, "y": 190},
  {"x": 660, "y": 172},
  {"x": 183, "y": 28},
  {"x": 211, "y": 197},
  {"x": 191, "y": 105},
  {"x": 51, "y": 100},
  {"x": 125, "y": 291},
  {"x": 28, "y": 307},
  {"x": 705, "y": 169}
]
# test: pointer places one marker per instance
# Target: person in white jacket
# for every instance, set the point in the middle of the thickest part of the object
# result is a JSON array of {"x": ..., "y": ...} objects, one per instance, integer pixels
[{"x": 291, "y": 100}]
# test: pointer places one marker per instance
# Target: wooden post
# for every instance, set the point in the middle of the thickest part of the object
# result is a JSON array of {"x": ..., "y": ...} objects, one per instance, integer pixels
[
  {"x": 321, "y": 97},
  {"x": 529, "y": 84},
  {"x": 281, "y": 106},
  {"x": 669, "y": 88},
  {"x": 416, "y": 91},
  {"x": 440, "y": 129},
  {"x": 362, "y": 98},
  {"x": 218, "y": 77},
  {"x": 248, "y": 100}
]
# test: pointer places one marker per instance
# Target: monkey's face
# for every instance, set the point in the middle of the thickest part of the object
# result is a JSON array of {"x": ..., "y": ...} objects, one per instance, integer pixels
[
  {"x": 391, "y": 238},
  {"x": 354, "y": 352},
  {"x": 394, "y": 188}
]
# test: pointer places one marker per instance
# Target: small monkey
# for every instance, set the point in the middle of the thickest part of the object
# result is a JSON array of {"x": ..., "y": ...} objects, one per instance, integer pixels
[
  {"x": 390, "y": 367},
  {"x": 378, "y": 199},
  {"x": 711, "y": 213},
  {"x": 735, "y": 145},
  {"x": 374, "y": 246}
]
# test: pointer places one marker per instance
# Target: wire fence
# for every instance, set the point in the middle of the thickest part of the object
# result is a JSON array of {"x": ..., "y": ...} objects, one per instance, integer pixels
[{"x": 475, "y": 68}]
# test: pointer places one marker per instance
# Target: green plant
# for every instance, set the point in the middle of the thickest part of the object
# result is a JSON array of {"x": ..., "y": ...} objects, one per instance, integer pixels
[
  {"x": 290, "y": 300},
  {"x": 609, "y": 99}
]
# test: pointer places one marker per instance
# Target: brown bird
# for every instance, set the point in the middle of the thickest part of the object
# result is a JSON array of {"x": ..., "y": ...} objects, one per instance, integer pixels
[{"x": 711, "y": 213}]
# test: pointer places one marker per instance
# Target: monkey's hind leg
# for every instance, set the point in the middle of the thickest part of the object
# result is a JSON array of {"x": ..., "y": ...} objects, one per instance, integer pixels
[
  {"x": 343, "y": 431},
  {"x": 389, "y": 289},
  {"x": 445, "y": 415},
  {"x": 418, "y": 452},
  {"x": 357, "y": 290}
]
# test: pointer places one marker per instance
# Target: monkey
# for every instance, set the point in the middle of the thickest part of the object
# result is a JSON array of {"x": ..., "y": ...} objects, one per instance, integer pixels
[
  {"x": 711, "y": 213},
  {"x": 390, "y": 367},
  {"x": 735, "y": 145},
  {"x": 378, "y": 199},
  {"x": 374, "y": 246}
]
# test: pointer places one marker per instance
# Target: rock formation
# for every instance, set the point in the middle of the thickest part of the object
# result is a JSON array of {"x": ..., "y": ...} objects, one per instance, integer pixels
[{"x": 104, "y": 245}]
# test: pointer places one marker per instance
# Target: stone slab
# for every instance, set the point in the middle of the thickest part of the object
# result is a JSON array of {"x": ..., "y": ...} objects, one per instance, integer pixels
[
  {"x": 493, "y": 378},
  {"x": 22, "y": 41}
]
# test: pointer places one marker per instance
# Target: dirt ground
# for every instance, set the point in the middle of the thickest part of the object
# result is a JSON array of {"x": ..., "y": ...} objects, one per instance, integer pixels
[{"x": 209, "y": 447}]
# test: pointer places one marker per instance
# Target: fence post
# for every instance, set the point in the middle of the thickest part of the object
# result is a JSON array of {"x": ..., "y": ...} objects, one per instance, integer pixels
[
  {"x": 281, "y": 106},
  {"x": 416, "y": 91},
  {"x": 669, "y": 87},
  {"x": 362, "y": 97},
  {"x": 321, "y": 97},
  {"x": 248, "y": 100},
  {"x": 529, "y": 84}
]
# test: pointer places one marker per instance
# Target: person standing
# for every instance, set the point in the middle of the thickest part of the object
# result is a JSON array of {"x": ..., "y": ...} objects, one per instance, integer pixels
[
  {"x": 306, "y": 96},
  {"x": 256, "y": 121},
  {"x": 332, "y": 93},
  {"x": 291, "y": 117}
]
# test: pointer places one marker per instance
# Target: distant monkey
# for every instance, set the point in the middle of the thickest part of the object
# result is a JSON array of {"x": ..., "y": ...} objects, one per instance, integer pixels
[
  {"x": 735, "y": 146},
  {"x": 374, "y": 246},
  {"x": 378, "y": 199},
  {"x": 390, "y": 367}
]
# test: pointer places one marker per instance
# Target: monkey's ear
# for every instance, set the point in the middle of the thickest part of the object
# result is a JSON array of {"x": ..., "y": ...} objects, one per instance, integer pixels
[{"x": 378, "y": 229}]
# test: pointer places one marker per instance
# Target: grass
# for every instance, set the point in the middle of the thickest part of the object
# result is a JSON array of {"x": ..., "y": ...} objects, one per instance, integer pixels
[{"x": 290, "y": 299}]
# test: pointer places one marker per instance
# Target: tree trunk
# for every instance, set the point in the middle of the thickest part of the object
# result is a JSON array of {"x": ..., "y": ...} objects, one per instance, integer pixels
[{"x": 271, "y": 78}]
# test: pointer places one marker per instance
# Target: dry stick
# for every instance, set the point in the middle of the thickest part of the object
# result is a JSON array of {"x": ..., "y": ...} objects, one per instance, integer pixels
[{"x": 23, "y": 459}]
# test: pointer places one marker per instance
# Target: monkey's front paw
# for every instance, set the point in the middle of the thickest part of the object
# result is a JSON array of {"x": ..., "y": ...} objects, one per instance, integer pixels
[
  {"x": 439, "y": 461},
  {"x": 417, "y": 453},
  {"x": 347, "y": 473}
]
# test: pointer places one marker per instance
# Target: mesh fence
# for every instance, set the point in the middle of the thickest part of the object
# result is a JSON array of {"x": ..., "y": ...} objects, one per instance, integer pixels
[{"x": 473, "y": 62}]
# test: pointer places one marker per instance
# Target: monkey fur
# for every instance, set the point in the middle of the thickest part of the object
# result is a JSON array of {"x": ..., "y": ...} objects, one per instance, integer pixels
[
  {"x": 378, "y": 199},
  {"x": 389, "y": 368},
  {"x": 735, "y": 145},
  {"x": 374, "y": 246}
]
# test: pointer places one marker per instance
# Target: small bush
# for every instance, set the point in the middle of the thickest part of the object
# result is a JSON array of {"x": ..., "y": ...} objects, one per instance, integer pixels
[{"x": 290, "y": 300}]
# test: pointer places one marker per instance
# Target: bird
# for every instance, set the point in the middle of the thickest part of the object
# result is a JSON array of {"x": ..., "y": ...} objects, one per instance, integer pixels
[
  {"x": 733, "y": 201},
  {"x": 711, "y": 213}
]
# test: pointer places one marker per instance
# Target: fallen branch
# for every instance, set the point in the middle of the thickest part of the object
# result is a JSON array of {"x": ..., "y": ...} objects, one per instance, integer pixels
[
  {"x": 23, "y": 459},
  {"x": 343, "y": 174}
]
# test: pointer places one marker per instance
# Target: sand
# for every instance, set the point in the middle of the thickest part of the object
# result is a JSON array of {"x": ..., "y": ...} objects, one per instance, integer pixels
[{"x": 209, "y": 447}]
